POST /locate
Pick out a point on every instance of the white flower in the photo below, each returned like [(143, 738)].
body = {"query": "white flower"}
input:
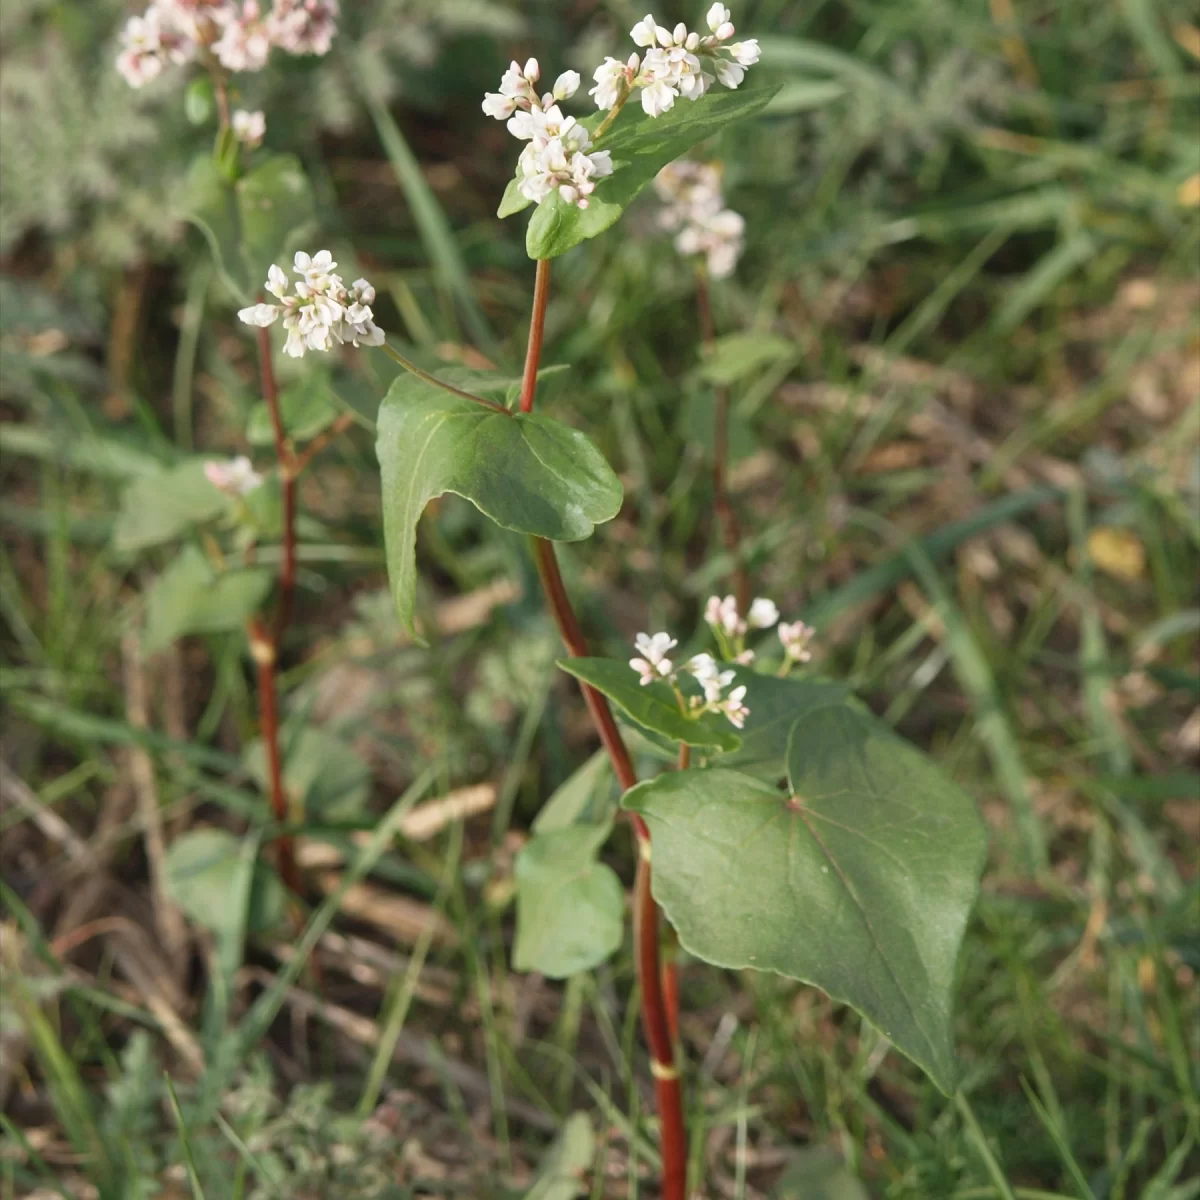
[(261, 315), (729, 73), (654, 664), (695, 208), (763, 613), (745, 658), (645, 32), (245, 41), (746, 53), (249, 127), (795, 638), (717, 16), (723, 615), (657, 97), (566, 85), (156, 39), (612, 78), (236, 476), (303, 26), (496, 104), (734, 708)]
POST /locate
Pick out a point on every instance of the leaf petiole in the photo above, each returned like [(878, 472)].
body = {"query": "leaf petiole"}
[(412, 368)]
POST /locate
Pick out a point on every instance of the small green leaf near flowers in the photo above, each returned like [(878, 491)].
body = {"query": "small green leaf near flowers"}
[(654, 706), (640, 147), (162, 507)]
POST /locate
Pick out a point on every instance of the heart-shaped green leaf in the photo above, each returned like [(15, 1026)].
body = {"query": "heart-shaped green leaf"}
[(570, 907), (654, 706), (190, 597), (860, 881), (260, 219), (640, 146), (161, 507), (775, 705), (526, 472)]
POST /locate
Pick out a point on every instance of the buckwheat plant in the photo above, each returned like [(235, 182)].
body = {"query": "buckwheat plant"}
[(778, 825)]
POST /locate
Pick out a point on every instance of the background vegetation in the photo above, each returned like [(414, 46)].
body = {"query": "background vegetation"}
[(965, 363)]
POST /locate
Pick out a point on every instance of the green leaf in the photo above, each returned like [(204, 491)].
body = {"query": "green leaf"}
[(570, 907), (162, 507), (306, 407), (190, 597), (561, 1172), (775, 705), (740, 354), (201, 870), (260, 219), (526, 472), (860, 881), (654, 706), (321, 773), (641, 146), (584, 798), (818, 1173), (512, 201)]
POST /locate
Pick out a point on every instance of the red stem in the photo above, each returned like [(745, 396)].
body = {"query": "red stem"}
[(287, 474), (655, 1019), (537, 330), (262, 649), (264, 643), (727, 520)]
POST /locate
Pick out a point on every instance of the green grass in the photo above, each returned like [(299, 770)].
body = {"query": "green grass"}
[(977, 253)]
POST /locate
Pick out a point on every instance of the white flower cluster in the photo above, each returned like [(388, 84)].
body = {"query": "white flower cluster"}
[(557, 157), (321, 310), (677, 62), (249, 128), (694, 209), (718, 696), (731, 628), (234, 477), (239, 36)]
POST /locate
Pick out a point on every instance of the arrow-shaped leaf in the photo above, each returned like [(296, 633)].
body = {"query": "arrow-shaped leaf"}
[(527, 472), (860, 881)]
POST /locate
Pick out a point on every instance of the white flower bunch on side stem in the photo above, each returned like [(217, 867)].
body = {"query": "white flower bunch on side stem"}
[(234, 477), (237, 33), (694, 209), (319, 310), (654, 666), (677, 62), (557, 158)]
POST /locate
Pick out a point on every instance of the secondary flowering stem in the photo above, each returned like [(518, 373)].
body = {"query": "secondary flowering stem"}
[(727, 520), (606, 124), (656, 1020)]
